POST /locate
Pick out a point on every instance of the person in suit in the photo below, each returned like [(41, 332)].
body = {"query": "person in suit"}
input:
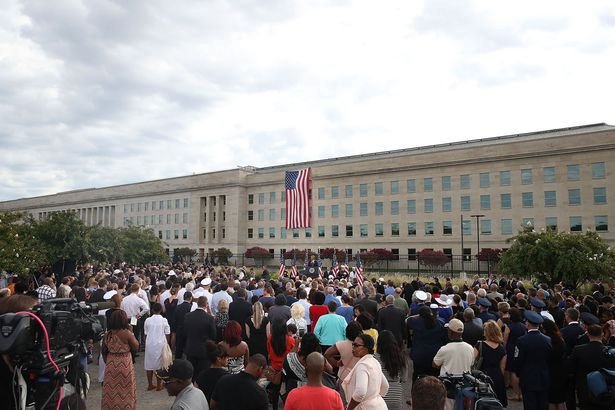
[(571, 333), (240, 310), (485, 315), (473, 327), (199, 327), (531, 364), (392, 319), (587, 358), (179, 337)]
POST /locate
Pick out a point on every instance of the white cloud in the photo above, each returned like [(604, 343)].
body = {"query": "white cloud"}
[(109, 92)]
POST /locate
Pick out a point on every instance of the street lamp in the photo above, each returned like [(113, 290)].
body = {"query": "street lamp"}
[(477, 240)]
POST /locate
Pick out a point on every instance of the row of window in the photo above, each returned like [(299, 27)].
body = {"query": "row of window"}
[(506, 227), (156, 219), (145, 206), (167, 234), (465, 202), (485, 180)]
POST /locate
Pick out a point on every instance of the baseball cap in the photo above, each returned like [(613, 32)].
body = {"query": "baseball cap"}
[(455, 325)]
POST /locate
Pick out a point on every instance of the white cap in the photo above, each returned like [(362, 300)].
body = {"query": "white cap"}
[(172, 273), (206, 282), (116, 271), (420, 295), (109, 294), (547, 315)]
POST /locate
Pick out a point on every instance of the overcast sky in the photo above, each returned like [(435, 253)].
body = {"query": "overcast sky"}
[(98, 93)]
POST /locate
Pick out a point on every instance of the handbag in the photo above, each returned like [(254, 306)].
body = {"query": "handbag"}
[(478, 362), (166, 356)]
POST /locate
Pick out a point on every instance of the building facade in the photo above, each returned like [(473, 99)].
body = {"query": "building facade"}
[(404, 200)]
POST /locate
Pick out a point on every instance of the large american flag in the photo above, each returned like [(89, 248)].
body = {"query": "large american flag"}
[(359, 270), (293, 267), (336, 267), (282, 264), (297, 185)]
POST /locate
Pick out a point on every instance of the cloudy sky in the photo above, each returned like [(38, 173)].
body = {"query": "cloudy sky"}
[(96, 93)]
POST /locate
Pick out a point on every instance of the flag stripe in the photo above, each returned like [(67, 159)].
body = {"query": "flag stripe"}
[(297, 185)]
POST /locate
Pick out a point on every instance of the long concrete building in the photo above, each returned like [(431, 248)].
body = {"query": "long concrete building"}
[(403, 200)]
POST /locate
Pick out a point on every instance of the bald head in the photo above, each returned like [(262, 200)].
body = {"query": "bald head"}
[(315, 365)]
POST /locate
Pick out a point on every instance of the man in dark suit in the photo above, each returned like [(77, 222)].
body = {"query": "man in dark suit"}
[(473, 328), (392, 319), (571, 333), (199, 327), (588, 358), (531, 364), (180, 332), (240, 310)]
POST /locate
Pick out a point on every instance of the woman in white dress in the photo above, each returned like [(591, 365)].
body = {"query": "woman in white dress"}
[(157, 331)]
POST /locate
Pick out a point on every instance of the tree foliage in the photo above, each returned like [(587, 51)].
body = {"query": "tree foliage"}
[(554, 257), (222, 255), (20, 249), (184, 254), (490, 254), (256, 252), (431, 258), (327, 253)]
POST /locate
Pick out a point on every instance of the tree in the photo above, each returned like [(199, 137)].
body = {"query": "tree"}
[(433, 259), (490, 254), (258, 253), (555, 257), (184, 253), (104, 244), (20, 249), (141, 246), (222, 255), (327, 253)]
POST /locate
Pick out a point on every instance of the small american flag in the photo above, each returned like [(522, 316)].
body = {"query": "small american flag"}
[(297, 186), (293, 267), (359, 270), (319, 265), (282, 264), (336, 267)]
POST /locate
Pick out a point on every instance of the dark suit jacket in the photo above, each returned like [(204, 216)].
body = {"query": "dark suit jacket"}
[(97, 296), (472, 332), (199, 327), (180, 314), (585, 359), (531, 361), (571, 334), (240, 311), (392, 319), (371, 307)]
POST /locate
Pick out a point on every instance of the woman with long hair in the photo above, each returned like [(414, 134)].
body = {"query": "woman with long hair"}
[(428, 335), (238, 350), (256, 330), (279, 344), (208, 378), (295, 362), (393, 364), (557, 367), (157, 332), (494, 358)]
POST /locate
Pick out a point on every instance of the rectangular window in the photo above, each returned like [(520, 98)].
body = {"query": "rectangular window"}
[(526, 176), (428, 228), (411, 254), (335, 231), (411, 228), (363, 230), (250, 199), (465, 203), (573, 172), (548, 174), (295, 233), (177, 204), (427, 184), (250, 233), (551, 223), (161, 205), (411, 186), (272, 198), (160, 219), (321, 193), (125, 208), (527, 199), (411, 206), (507, 227), (601, 223), (576, 224), (363, 190), (176, 234), (378, 188), (467, 227), (261, 198), (159, 234), (146, 206), (379, 208), (505, 201), (395, 229), (272, 214), (335, 192), (485, 202), (261, 215), (153, 205), (598, 170), (335, 211), (184, 234), (428, 205), (447, 228), (379, 229), (169, 204), (504, 178), (167, 234), (394, 207), (283, 196), (261, 233), (446, 183), (349, 231), (348, 191), (348, 210), (599, 196), (139, 220), (138, 206), (363, 209), (485, 226), (484, 179), (447, 204), (321, 211), (283, 233), (271, 233), (394, 187), (168, 219), (464, 181), (132, 207), (574, 197), (321, 231), (550, 198), (528, 223), (185, 202), (308, 232), (250, 215), (185, 218)]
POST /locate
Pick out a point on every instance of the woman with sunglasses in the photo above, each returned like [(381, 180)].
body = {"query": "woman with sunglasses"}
[(365, 384)]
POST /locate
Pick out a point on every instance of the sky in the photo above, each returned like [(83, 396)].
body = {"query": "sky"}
[(97, 93)]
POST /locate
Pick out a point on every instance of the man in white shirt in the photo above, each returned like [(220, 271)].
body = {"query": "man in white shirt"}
[(142, 293), (218, 296), (203, 291), (133, 305), (180, 295)]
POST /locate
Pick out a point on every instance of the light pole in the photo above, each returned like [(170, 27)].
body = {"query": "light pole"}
[(477, 240), (462, 255)]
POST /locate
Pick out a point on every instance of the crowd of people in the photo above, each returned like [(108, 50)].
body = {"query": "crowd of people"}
[(241, 340)]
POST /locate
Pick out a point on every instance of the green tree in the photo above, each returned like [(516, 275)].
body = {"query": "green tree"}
[(222, 255), (140, 246), (20, 248), (104, 244), (258, 253), (184, 254), (554, 257)]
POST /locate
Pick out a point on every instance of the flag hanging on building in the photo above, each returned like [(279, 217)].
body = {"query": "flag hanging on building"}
[(282, 264), (334, 265), (293, 267), (359, 270), (297, 186), (319, 265)]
